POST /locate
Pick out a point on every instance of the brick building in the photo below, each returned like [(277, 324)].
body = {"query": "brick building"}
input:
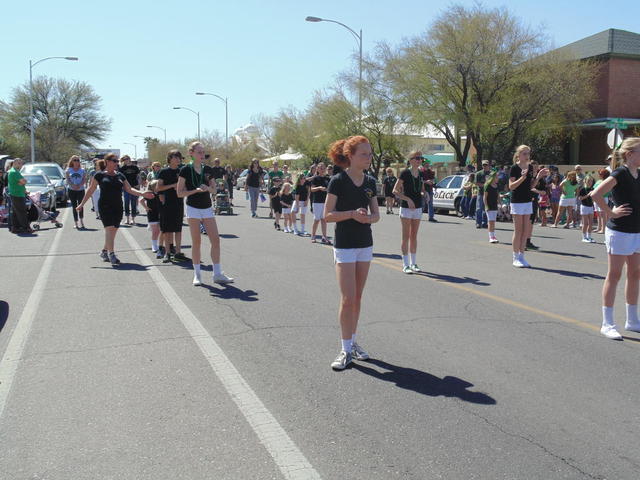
[(618, 89)]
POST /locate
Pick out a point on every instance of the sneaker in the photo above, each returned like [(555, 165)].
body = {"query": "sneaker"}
[(342, 360), (415, 268), (493, 240), (181, 257), (433, 220), (172, 249), (196, 281), (532, 246), (275, 225), (222, 279), (358, 353), (167, 258), (160, 253), (326, 241), (632, 327), (610, 332), (585, 240), (591, 240), (407, 269), (104, 256), (113, 259), (525, 264), (305, 233), (517, 263)]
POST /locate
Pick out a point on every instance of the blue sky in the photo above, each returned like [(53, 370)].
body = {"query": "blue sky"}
[(144, 57)]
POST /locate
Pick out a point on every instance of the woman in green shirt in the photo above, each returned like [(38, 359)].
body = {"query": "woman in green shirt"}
[(568, 199)]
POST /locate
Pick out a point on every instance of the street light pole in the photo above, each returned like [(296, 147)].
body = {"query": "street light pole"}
[(197, 114), (226, 114), (146, 145), (358, 38), (31, 112), (135, 149), (163, 129)]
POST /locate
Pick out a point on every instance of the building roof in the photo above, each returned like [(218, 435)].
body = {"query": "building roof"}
[(608, 42)]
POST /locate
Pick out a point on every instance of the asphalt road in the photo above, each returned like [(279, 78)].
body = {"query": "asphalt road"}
[(478, 370)]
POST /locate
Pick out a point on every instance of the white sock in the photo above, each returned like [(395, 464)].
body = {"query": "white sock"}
[(347, 345), (405, 260), (196, 269), (607, 316), (154, 244), (412, 256), (632, 314), (217, 269)]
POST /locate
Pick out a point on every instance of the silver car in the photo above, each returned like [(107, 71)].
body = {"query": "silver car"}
[(448, 193), (55, 174), (37, 182)]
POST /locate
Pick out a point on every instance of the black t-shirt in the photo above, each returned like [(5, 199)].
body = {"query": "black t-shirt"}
[(153, 204), (523, 193), (412, 188), (303, 192), (428, 174), (131, 173), (626, 191), (319, 181), (169, 176), (253, 178), (389, 182), (286, 198), (587, 202), (349, 233), (492, 198), (481, 177), (111, 187), (218, 172), (193, 180), (275, 197)]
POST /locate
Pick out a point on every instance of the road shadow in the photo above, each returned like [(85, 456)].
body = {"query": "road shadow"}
[(452, 279), (569, 273), (565, 254), (394, 256), (4, 313), (227, 235), (29, 235), (632, 339), (135, 267), (229, 292), (85, 229), (424, 383)]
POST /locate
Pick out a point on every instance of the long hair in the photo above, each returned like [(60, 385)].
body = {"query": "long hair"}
[(627, 146), (519, 150)]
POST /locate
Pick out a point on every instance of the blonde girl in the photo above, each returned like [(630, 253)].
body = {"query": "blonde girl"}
[(586, 208), (286, 200), (152, 207), (521, 181), (622, 236)]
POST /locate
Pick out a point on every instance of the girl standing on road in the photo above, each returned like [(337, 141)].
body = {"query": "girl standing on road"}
[(286, 200), (410, 189), (111, 183), (491, 204), (301, 197), (622, 236), (319, 184), (603, 173), (152, 206), (586, 208), (132, 174), (252, 185), (352, 204), (388, 183), (568, 188), (521, 180), (196, 183), (76, 179)]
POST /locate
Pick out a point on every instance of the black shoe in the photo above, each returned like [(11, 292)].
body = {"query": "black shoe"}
[(478, 226), (433, 220), (181, 257), (531, 246), (172, 249), (167, 258)]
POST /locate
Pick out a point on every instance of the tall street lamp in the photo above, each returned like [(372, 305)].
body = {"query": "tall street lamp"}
[(163, 129), (135, 149), (197, 114), (358, 38), (31, 113), (226, 114)]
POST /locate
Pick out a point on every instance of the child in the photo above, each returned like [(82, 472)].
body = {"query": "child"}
[(286, 200), (301, 197), (586, 208), (543, 205), (152, 206), (505, 206), (567, 199), (274, 195), (388, 184), (491, 204)]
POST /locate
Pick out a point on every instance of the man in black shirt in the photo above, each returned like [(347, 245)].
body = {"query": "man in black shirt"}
[(218, 171), (171, 209), (131, 173)]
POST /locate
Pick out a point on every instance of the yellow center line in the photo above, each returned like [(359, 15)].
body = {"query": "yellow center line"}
[(395, 266)]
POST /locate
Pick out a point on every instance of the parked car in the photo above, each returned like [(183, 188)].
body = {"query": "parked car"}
[(37, 182), (55, 174), (448, 193), (242, 180)]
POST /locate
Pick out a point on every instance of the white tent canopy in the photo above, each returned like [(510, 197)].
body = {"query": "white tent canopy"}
[(285, 157)]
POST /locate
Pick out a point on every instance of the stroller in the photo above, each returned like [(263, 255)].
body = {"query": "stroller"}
[(222, 203), (36, 213)]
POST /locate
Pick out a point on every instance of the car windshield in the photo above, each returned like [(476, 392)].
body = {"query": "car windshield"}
[(49, 171), (456, 182), (444, 182), (39, 180), (244, 173)]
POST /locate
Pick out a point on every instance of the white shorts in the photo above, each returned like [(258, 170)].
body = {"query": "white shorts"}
[(286, 211), (568, 202), (318, 211), (412, 213), (584, 210), (199, 213), (352, 255), (621, 243), (492, 215), (525, 208)]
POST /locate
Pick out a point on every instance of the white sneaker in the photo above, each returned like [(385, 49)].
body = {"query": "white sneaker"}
[(493, 240), (610, 332), (591, 240), (196, 281), (415, 268), (524, 263), (517, 263), (222, 278), (632, 327), (407, 269), (585, 240)]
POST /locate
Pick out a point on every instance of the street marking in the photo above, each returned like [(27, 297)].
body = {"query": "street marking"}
[(393, 265), (289, 459), (17, 342)]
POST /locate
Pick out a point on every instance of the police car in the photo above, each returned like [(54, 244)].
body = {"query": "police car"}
[(448, 193)]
